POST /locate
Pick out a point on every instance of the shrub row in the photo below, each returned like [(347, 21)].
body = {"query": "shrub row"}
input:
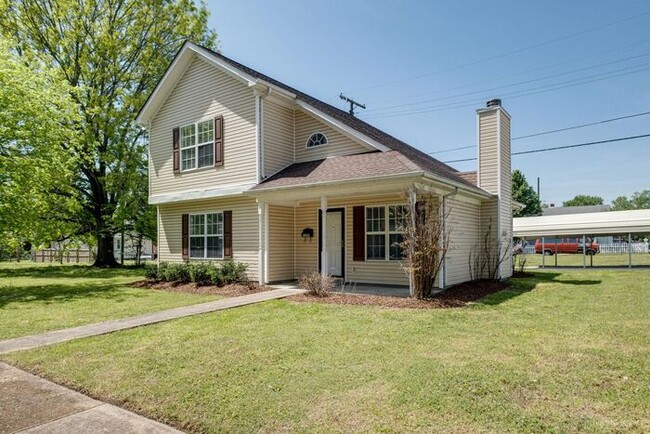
[(204, 273)]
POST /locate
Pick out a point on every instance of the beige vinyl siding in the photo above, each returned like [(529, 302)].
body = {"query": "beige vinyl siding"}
[(381, 272), (306, 250), (488, 219), (202, 93), (281, 243), (338, 144), (506, 193), (245, 238), (464, 226), (277, 127), (488, 151)]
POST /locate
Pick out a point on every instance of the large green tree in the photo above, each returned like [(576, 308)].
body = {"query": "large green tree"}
[(583, 200), (639, 200), (37, 126), (523, 193), (112, 53)]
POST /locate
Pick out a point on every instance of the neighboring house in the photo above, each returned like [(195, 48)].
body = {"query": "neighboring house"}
[(243, 167), (131, 241)]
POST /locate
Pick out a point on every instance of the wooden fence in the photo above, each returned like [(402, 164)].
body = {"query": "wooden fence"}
[(66, 256)]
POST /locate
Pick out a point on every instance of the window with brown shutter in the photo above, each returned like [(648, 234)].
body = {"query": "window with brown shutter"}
[(176, 152), (185, 234), (358, 233), (227, 234), (218, 141)]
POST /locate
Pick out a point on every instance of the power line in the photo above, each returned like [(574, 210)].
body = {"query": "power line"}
[(519, 83), (557, 148), (573, 127), (526, 71), (506, 54), (520, 93)]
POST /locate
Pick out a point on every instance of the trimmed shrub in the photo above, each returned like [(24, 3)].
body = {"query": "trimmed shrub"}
[(202, 273), (151, 271), (233, 272), (316, 284)]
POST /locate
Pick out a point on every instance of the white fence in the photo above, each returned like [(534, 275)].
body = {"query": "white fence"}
[(621, 248)]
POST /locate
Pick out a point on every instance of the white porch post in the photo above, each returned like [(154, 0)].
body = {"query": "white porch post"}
[(267, 236), (324, 265), (261, 268), (413, 200), (543, 253)]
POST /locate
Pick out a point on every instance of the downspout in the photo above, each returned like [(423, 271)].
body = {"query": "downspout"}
[(443, 209)]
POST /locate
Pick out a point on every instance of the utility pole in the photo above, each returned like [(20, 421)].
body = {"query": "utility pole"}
[(538, 196), (352, 102)]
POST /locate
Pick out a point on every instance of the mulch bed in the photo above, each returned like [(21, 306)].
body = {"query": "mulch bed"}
[(232, 290), (455, 296)]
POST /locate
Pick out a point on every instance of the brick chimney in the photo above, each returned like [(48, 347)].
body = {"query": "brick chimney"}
[(495, 175)]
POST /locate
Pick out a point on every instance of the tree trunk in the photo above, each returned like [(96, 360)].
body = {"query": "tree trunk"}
[(105, 257)]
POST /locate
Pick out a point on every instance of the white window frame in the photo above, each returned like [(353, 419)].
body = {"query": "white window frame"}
[(196, 145), (386, 232), (327, 140), (205, 235)]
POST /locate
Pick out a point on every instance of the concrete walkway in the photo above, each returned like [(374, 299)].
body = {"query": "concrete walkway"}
[(29, 404), (57, 336)]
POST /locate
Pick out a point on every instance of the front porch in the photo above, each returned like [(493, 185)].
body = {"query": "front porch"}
[(346, 231)]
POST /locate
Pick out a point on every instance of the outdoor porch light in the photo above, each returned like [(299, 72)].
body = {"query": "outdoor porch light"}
[(307, 233)]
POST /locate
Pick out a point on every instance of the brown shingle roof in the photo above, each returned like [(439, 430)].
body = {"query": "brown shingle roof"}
[(470, 177), (341, 168), (424, 161)]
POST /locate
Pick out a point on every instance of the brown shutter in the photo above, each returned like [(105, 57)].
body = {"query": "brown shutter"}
[(218, 141), (359, 233), (185, 233), (176, 153), (227, 234)]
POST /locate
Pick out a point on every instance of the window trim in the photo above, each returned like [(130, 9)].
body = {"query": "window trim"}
[(386, 232), (195, 146), (327, 140), (205, 236)]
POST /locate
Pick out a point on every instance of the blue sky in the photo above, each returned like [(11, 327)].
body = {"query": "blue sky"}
[(444, 59)]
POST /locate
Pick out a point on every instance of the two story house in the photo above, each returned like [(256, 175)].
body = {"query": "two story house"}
[(244, 167)]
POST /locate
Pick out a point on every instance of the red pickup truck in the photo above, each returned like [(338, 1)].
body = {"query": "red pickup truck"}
[(565, 245)]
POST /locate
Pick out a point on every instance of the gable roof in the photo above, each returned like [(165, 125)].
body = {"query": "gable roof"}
[(423, 161)]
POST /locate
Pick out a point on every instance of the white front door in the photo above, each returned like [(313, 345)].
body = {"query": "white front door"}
[(334, 242)]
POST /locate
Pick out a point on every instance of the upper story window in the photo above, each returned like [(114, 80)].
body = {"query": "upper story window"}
[(197, 145), (316, 139)]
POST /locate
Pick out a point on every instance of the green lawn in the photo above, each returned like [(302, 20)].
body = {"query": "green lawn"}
[(35, 298), (565, 352), (599, 260)]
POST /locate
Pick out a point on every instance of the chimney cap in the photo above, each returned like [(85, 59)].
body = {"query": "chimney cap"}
[(496, 102)]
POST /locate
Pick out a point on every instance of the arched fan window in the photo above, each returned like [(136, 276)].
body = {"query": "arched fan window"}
[(316, 139)]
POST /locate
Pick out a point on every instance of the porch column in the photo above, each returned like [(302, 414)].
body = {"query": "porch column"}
[(267, 236), (261, 267), (324, 265), (413, 201)]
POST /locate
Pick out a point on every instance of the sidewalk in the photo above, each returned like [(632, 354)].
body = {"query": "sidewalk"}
[(54, 337), (29, 404)]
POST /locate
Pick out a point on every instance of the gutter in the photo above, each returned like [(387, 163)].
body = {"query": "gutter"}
[(474, 190)]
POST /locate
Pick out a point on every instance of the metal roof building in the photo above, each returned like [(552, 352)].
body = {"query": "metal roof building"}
[(612, 222)]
